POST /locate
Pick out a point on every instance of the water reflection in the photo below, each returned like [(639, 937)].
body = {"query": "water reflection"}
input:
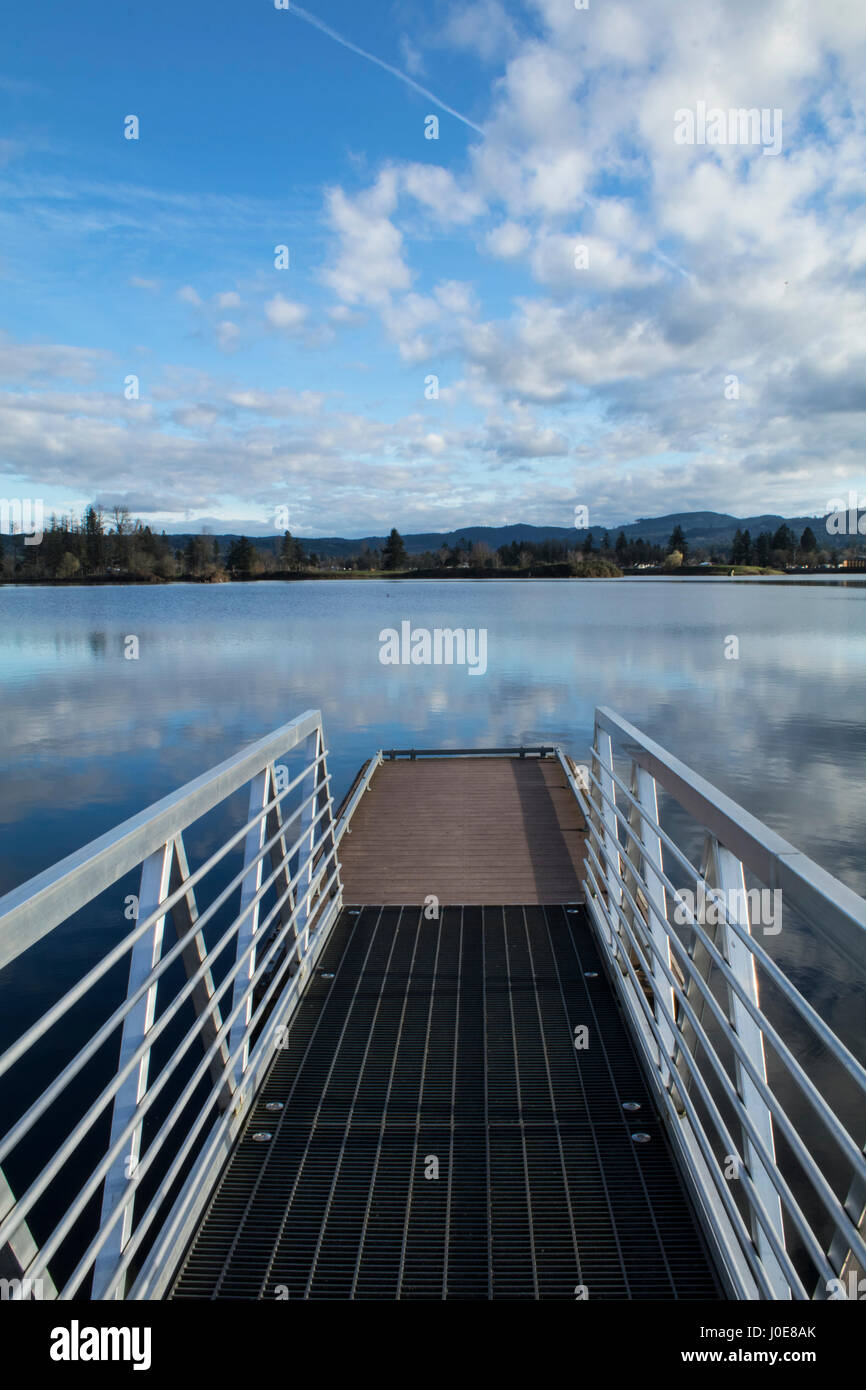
[(89, 732)]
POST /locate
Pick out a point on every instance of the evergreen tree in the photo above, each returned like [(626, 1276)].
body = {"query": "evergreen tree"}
[(808, 543), (394, 554), (587, 545), (678, 542), (784, 539), (94, 535), (241, 554), (289, 552)]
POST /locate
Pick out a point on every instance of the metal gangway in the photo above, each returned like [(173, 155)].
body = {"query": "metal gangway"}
[(560, 981)]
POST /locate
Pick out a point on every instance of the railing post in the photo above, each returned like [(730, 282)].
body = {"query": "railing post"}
[(256, 839), (728, 877), (602, 754), (121, 1177), (642, 821), (840, 1254), (280, 867), (19, 1252), (314, 750), (185, 915)]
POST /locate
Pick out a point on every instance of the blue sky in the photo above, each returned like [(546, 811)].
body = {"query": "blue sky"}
[(605, 385)]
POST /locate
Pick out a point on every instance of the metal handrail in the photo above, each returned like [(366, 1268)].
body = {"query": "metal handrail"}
[(28, 1198), (267, 962), (629, 895), (791, 993), (34, 909), (834, 1207)]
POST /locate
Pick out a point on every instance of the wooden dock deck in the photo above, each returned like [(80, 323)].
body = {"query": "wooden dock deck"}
[(444, 1045), (467, 830)]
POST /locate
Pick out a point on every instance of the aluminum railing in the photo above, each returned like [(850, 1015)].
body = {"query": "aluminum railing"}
[(777, 1177), (213, 1004)]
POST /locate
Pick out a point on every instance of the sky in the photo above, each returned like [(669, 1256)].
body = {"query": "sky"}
[(554, 304)]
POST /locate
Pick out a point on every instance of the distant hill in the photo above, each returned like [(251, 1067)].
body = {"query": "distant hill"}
[(700, 529)]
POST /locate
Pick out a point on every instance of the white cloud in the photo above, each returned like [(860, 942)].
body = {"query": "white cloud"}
[(442, 194), (187, 295), (412, 60), (508, 240), (370, 265), (227, 334), (484, 27), (285, 314)]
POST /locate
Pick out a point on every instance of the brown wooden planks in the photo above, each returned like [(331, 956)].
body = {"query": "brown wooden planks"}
[(466, 830)]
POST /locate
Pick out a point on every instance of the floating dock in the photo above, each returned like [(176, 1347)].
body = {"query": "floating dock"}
[(450, 1042)]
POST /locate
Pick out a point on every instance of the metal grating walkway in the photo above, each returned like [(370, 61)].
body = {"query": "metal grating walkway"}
[(450, 1044)]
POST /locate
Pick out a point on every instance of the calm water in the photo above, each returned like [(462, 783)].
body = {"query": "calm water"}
[(91, 737)]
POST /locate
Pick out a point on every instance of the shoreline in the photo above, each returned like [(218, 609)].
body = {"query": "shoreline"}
[(822, 577)]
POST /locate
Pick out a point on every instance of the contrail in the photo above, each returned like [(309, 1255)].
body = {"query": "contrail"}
[(431, 96), (371, 58)]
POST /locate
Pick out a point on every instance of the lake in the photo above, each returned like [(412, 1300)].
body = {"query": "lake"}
[(759, 686), (91, 737)]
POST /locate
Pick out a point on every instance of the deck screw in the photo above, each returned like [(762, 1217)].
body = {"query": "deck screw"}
[(641, 1138), (631, 1105), (262, 1136), (327, 974), (274, 1105), (590, 974)]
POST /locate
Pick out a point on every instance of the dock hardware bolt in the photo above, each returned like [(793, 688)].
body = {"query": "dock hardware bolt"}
[(631, 1105), (262, 1136), (641, 1138), (274, 1105)]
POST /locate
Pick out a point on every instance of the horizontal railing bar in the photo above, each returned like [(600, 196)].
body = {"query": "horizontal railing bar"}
[(785, 986), (758, 847), (363, 783), (747, 1246), (766, 1159), (168, 1123), (811, 1171), (75, 1208), (807, 1088), (212, 1142), (34, 909), (542, 750), (72, 996), (150, 1211), (50, 1170)]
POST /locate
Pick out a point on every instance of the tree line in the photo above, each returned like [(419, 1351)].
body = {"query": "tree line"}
[(102, 545)]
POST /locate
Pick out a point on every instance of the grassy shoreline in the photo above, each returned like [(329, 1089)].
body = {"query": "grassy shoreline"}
[(536, 572)]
